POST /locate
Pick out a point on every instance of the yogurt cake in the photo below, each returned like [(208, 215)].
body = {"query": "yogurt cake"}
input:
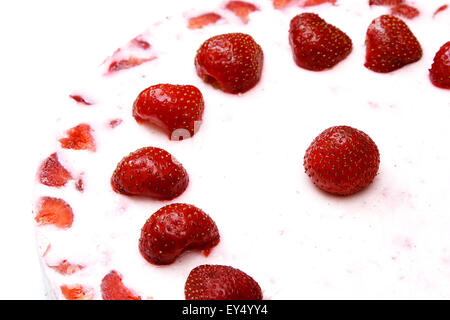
[(244, 163)]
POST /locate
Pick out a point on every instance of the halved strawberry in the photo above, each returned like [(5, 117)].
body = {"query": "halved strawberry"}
[(176, 228), (242, 9), (150, 172), (113, 288), (440, 69), (232, 62), (54, 211), (384, 2), (405, 10), (390, 45), (177, 109), (342, 160), (52, 173), (216, 282), (66, 268), (202, 20), (79, 138), (77, 292), (317, 45)]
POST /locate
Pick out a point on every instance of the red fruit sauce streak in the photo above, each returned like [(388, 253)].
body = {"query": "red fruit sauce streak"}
[(124, 64), (241, 9), (440, 9), (81, 100), (140, 43), (405, 10)]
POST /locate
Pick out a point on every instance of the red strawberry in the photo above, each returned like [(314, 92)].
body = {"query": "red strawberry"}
[(280, 4), (76, 292), (342, 160), (390, 45), (317, 45), (405, 10), (54, 211), (203, 20), (150, 172), (52, 173), (214, 282), (384, 2), (80, 99), (440, 69), (113, 288), (242, 9), (67, 268), (309, 3), (176, 109), (79, 138), (174, 229), (231, 62)]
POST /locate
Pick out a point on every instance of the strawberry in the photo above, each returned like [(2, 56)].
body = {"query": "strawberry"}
[(231, 62), (310, 3), (215, 282), (405, 10), (54, 211), (177, 109), (440, 69), (440, 9), (67, 268), (76, 292), (52, 173), (80, 99), (203, 20), (79, 138), (242, 9), (113, 288), (384, 2), (342, 160), (174, 229), (150, 172), (390, 45), (317, 45)]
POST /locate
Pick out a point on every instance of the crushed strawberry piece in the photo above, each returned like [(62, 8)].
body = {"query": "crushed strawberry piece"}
[(80, 99), (440, 9), (52, 173), (405, 10), (203, 20), (124, 64), (67, 268), (140, 43), (79, 138), (385, 2), (79, 185), (310, 3), (242, 9), (113, 288), (280, 4), (54, 211), (76, 292), (114, 123)]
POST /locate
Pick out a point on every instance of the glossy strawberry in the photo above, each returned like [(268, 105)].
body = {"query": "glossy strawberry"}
[(317, 45), (113, 288), (232, 62), (440, 9), (384, 2), (440, 69), (215, 282), (150, 172), (54, 211), (242, 9), (405, 10), (342, 160), (79, 138), (52, 173), (390, 45), (177, 109), (174, 229), (202, 20), (76, 292)]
